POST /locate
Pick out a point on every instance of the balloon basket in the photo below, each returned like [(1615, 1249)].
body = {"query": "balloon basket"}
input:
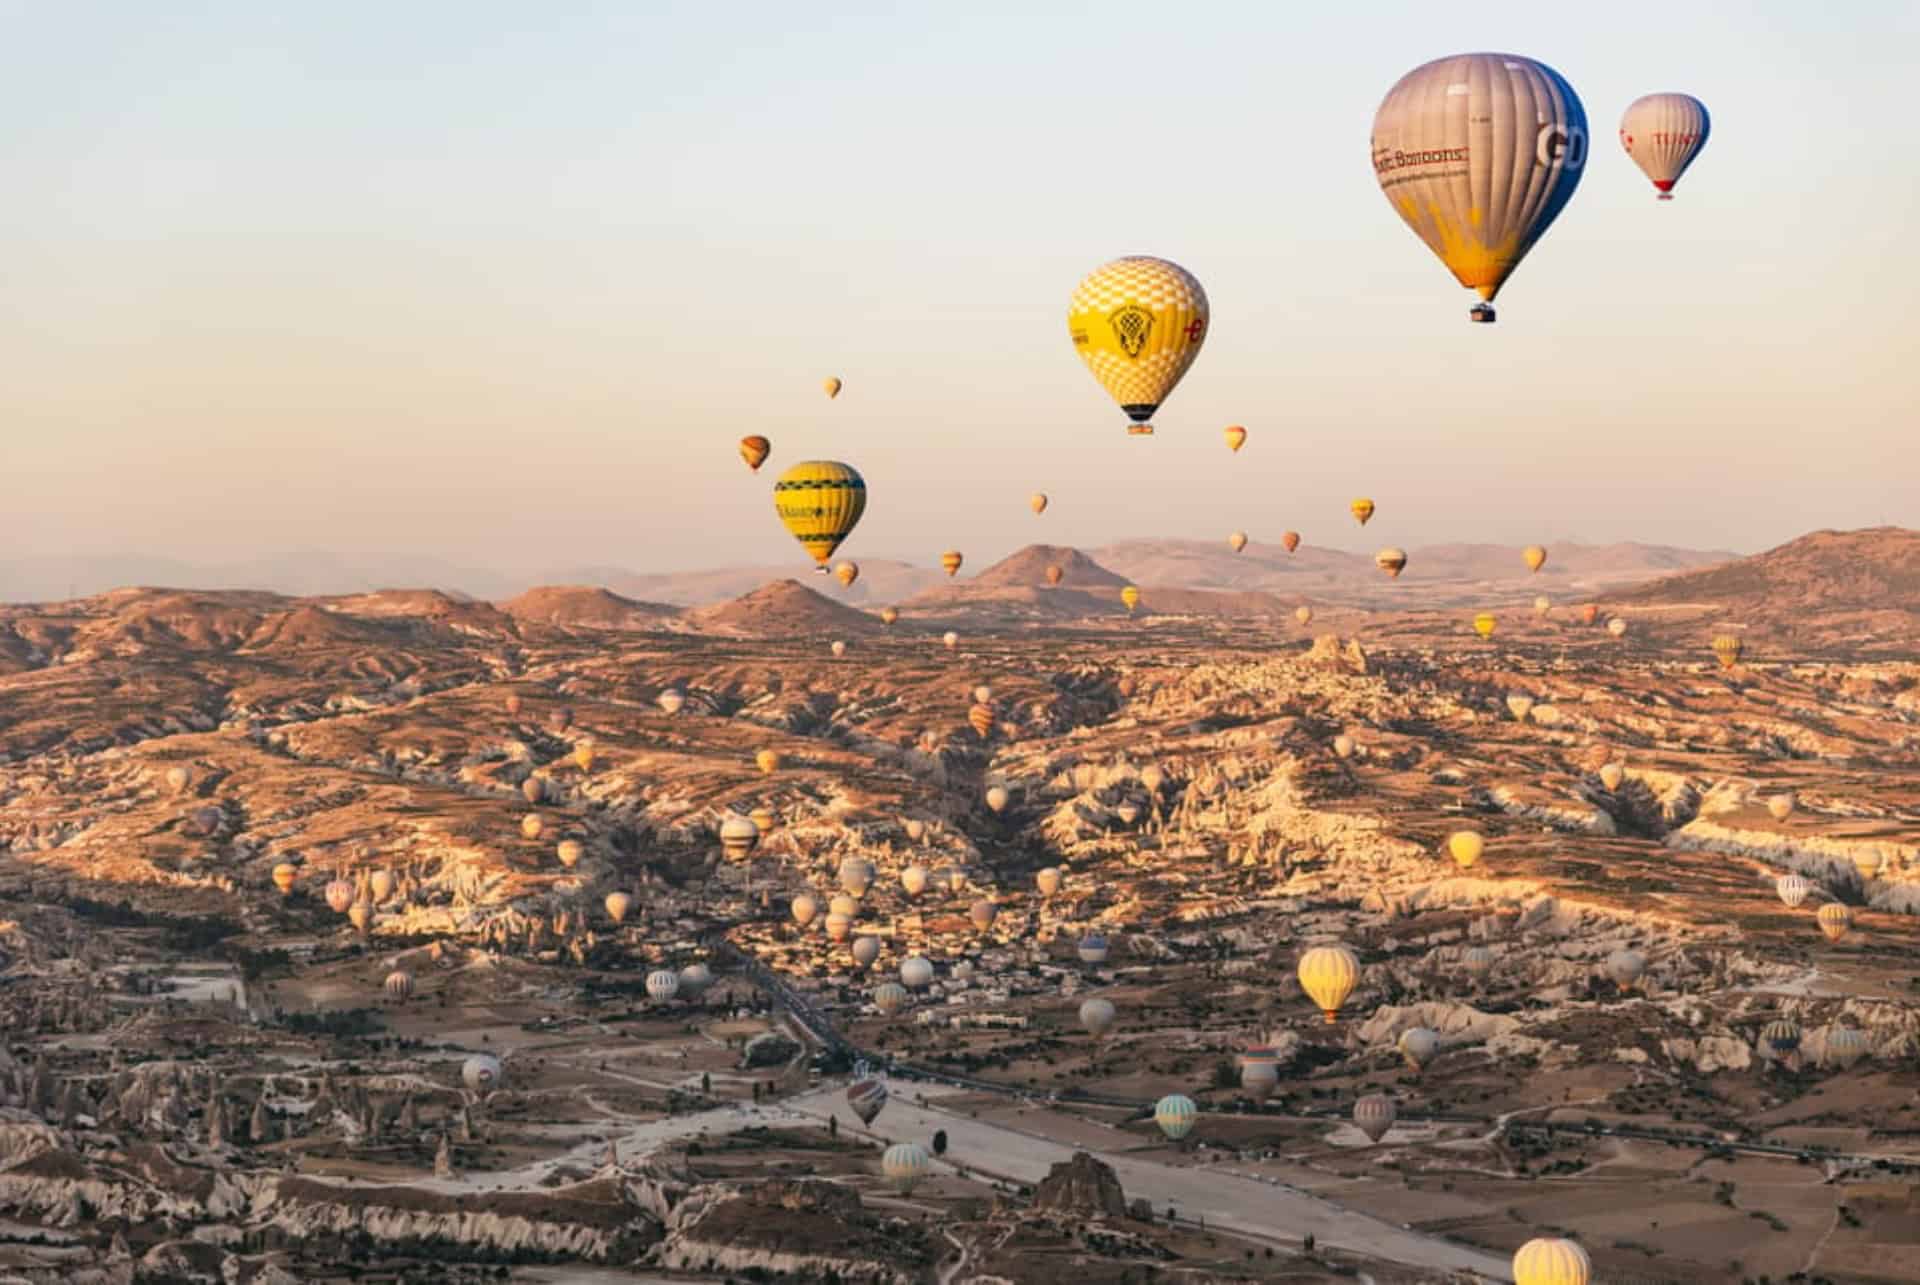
[(1139, 430)]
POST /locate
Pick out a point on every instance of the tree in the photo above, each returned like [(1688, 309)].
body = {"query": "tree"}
[(940, 1142), (833, 1126), (706, 1083)]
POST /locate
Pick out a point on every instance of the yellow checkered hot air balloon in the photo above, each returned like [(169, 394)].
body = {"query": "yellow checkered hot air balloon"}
[(1727, 649), (1138, 323), (820, 502)]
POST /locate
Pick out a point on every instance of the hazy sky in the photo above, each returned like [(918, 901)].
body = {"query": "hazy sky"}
[(506, 282)]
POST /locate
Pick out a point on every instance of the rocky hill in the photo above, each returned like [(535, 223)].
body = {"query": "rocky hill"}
[(784, 608), (587, 607), (1028, 568)]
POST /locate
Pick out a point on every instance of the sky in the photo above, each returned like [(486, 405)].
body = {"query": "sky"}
[(505, 283)]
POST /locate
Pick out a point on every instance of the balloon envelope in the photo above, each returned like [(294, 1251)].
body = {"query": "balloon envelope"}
[(1138, 323), (754, 450), (1663, 133), (820, 502), (1478, 154)]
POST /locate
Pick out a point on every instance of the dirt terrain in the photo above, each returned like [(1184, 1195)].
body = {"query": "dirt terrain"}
[(519, 1008)]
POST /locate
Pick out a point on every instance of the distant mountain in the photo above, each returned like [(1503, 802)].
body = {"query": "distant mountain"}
[(785, 608), (1436, 575), (1028, 568), (584, 606), (55, 579), (1876, 569), (882, 580)]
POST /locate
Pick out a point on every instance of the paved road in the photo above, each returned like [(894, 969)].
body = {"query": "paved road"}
[(1231, 1203)]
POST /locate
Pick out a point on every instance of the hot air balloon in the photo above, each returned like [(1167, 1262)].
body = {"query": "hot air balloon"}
[(1611, 774), (381, 883), (284, 875), (1484, 624), (1466, 847), (1131, 597), (1092, 949), (804, 908), (846, 572), (1793, 889), (481, 1073), (842, 904), (1625, 968), (1590, 613), (831, 386), (1781, 806), (889, 998), (532, 790), (905, 1164), (916, 973), (888, 615), (1835, 920), (1303, 614), (1343, 746), (866, 950), (1846, 1045), (694, 980), (950, 561), (1617, 627), (952, 878), (866, 1097), (856, 875), (768, 761), (1362, 510), (1780, 1037), (670, 700), (514, 704), (820, 502), (531, 825), (754, 450), (1479, 153), (1054, 574), (981, 718), (339, 895), (1663, 133), (1477, 960), (1867, 863), (1551, 1262), (1138, 323), (1519, 706), (950, 640), (997, 797), (398, 985), (1037, 502), (982, 693), (1259, 1073), (1175, 1114), (1542, 605), (1391, 560), (1727, 649), (178, 778), (1328, 975), (1290, 540), (1152, 777), (1374, 1114), (1047, 880), (1534, 556), (617, 905), (570, 851), (763, 819), (360, 915), (1237, 541), (982, 914), (914, 880), (738, 837), (662, 985), (838, 648), (1419, 1046), (839, 926), (1097, 1017), (583, 756), (1236, 436)]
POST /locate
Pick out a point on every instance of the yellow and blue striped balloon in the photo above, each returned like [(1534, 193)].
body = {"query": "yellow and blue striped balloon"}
[(1175, 1115), (820, 502)]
